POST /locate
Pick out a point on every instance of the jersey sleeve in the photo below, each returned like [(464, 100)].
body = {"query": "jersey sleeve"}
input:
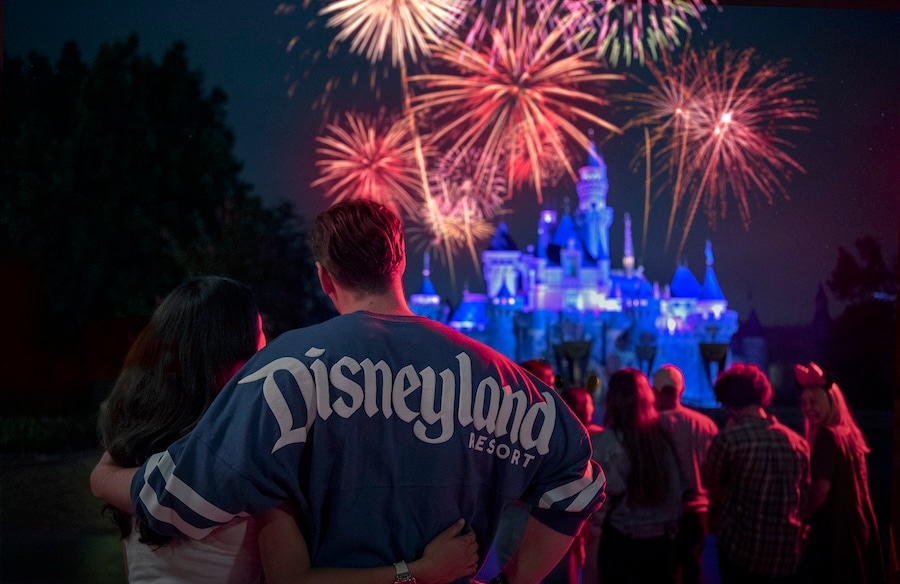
[(240, 459), (570, 485)]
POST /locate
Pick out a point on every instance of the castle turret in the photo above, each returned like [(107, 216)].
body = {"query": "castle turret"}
[(597, 217), (546, 227), (426, 302), (501, 314), (751, 341), (711, 300), (501, 262)]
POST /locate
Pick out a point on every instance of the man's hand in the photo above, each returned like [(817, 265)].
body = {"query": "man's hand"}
[(112, 483)]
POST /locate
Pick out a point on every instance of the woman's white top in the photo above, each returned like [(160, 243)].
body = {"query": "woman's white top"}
[(228, 555)]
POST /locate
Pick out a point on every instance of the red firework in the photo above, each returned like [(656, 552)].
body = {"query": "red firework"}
[(370, 157), (718, 121), (516, 99)]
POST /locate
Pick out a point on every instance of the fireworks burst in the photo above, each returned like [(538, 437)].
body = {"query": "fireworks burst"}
[(451, 220), (719, 120), (408, 26), (516, 100), (552, 167), (460, 210), (493, 15), (370, 157), (317, 50), (635, 30), (456, 168)]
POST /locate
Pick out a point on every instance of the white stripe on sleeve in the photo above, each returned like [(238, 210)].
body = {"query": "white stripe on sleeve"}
[(569, 489), (183, 492), (588, 494)]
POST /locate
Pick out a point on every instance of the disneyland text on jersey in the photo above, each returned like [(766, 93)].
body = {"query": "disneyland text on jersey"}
[(503, 423)]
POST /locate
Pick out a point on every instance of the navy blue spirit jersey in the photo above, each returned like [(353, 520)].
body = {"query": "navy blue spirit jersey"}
[(383, 430)]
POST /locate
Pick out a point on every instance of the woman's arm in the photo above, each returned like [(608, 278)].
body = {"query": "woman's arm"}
[(818, 492), (112, 483), (285, 557), (822, 467)]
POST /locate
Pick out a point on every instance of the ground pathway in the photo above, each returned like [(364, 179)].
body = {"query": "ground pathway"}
[(51, 528)]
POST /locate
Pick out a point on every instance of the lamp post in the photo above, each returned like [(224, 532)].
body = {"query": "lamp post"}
[(713, 353), (572, 360), (645, 351)]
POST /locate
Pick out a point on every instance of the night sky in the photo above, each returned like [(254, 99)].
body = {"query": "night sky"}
[(851, 153)]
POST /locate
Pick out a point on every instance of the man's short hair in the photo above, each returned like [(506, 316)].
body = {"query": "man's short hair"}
[(743, 385), (361, 244)]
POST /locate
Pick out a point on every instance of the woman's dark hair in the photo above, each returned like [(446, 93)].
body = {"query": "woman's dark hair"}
[(178, 363), (632, 415)]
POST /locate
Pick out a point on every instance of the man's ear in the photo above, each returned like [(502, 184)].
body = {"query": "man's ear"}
[(325, 279)]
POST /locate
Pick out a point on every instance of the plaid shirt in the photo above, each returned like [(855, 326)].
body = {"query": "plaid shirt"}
[(757, 471)]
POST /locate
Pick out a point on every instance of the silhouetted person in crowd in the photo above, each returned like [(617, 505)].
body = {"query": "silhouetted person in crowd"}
[(584, 549), (691, 433), (383, 427), (843, 543), (644, 488), (594, 386), (757, 473)]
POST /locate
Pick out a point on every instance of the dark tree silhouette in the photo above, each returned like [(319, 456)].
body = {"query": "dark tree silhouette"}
[(119, 180), (855, 281), (861, 347)]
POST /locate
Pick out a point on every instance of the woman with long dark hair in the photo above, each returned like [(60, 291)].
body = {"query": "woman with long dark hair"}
[(197, 339), (842, 544), (643, 486)]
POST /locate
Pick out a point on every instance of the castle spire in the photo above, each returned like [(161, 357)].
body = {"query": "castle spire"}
[(711, 289), (628, 256), (593, 155), (427, 286), (426, 302), (596, 217)]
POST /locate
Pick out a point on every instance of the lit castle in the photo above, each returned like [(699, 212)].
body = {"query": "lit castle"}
[(563, 302)]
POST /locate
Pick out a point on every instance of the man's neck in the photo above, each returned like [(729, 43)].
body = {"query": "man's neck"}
[(391, 302), (667, 405), (752, 411)]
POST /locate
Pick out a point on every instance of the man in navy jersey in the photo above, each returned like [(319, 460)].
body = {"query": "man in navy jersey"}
[(383, 427)]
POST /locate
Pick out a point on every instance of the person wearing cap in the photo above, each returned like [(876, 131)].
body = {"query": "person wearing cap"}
[(691, 433)]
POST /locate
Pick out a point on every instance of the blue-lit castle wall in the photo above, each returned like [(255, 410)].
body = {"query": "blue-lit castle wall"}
[(560, 300)]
